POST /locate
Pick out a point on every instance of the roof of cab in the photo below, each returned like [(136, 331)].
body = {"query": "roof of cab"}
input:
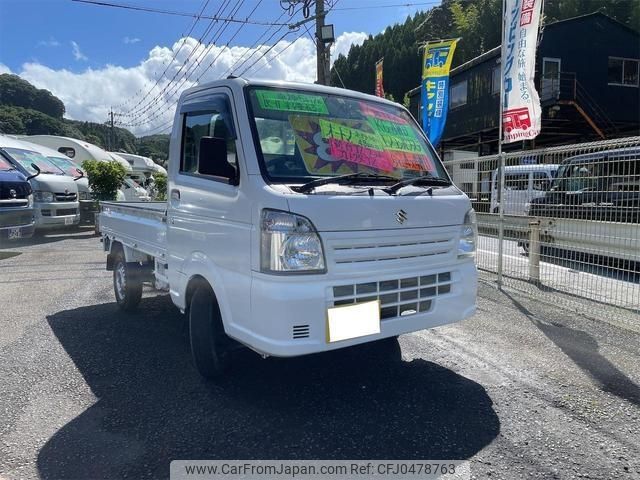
[(239, 82)]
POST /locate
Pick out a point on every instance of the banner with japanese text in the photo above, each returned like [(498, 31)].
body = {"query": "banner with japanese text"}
[(436, 64), (521, 112), (379, 86)]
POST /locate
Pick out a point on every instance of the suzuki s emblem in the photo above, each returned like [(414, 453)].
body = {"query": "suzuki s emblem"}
[(66, 191), (401, 216), (13, 193)]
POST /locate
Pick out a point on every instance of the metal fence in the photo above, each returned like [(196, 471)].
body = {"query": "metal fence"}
[(560, 223)]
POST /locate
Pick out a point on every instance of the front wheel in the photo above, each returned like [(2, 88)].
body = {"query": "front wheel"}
[(126, 285), (210, 346)]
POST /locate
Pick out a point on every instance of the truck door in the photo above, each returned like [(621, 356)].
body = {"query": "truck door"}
[(209, 218)]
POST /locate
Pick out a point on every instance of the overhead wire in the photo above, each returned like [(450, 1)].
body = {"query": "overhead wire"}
[(135, 113)]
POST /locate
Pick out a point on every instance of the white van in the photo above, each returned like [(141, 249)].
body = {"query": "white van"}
[(55, 194), (522, 183), (68, 166)]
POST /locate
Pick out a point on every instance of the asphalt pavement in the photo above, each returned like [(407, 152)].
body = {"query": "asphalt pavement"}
[(522, 389)]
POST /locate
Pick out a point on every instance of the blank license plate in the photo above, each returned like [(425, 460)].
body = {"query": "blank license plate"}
[(352, 321), (68, 221)]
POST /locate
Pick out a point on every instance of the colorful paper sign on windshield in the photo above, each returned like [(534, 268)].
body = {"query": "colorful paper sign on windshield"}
[(291, 102), (330, 145), (369, 110)]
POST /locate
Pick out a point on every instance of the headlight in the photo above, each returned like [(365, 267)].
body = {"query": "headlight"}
[(84, 195), (289, 244), (468, 235), (39, 196), (30, 199)]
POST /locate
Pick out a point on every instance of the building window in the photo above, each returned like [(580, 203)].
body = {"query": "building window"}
[(458, 94), (495, 80), (623, 71)]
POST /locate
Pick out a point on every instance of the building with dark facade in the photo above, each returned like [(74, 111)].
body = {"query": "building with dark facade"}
[(587, 76)]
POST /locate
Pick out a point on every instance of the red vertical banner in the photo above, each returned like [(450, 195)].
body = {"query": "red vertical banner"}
[(379, 87)]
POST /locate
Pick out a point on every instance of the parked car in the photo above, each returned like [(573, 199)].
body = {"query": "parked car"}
[(16, 203), (595, 186), (593, 206), (522, 184), (55, 194), (355, 234)]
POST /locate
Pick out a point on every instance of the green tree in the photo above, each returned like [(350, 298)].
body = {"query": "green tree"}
[(104, 178), (14, 91)]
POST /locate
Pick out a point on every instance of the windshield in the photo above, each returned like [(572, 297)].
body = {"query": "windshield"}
[(304, 136), (66, 165), (26, 157)]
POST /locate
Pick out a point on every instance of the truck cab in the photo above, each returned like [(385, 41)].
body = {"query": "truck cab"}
[(55, 194), (16, 203), (300, 219)]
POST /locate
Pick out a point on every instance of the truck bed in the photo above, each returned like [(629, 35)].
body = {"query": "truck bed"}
[(139, 225)]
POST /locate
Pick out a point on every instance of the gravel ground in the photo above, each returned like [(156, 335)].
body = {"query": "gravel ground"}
[(522, 390)]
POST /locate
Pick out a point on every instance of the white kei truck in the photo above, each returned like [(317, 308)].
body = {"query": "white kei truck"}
[(300, 219)]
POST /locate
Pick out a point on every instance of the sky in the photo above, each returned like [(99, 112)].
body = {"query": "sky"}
[(95, 58)]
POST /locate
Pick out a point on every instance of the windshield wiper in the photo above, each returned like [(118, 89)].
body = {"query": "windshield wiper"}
[(341, 180), (427, 179)]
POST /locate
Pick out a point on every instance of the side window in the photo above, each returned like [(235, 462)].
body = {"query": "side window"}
[(216, 123), (68, 151), (518, 181)]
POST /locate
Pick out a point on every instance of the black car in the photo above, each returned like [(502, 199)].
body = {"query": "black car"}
[(16, 204)]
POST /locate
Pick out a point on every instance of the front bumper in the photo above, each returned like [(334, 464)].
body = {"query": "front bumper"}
[(289, 317), (22, 231), (57, 214)]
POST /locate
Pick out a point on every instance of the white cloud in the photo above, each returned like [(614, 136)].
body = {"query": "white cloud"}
[(4, 69), (345, 41), (52, 42), (88, 95), (77, 54), (130, 40)]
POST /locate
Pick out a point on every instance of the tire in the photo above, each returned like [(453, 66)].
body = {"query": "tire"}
[(210, 346), (126, 285)]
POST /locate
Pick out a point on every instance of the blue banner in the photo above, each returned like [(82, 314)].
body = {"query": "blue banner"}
[(435, 87)]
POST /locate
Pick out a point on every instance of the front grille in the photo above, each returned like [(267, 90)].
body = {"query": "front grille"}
[(66, 211), (349, 252), (66, 197), (9, 189), (45, 213), (300, 331), (398, 298)]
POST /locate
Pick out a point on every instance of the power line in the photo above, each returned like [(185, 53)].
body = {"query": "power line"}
[(136, 112), (174, 56), (175, 13)]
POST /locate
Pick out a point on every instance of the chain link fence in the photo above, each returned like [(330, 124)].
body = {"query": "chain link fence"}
[(560, 223)]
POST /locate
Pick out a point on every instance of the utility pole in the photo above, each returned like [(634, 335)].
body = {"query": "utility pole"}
[(322, 49), (324, 36)]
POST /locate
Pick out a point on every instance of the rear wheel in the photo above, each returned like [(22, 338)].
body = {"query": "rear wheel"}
[(210, 346), (126, 285)]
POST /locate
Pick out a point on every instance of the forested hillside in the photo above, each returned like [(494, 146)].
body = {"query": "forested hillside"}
[(27, 110), (476, 22)]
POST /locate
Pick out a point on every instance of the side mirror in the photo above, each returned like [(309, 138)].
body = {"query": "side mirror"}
[(37, 169), (212, 159), (81, 174)]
